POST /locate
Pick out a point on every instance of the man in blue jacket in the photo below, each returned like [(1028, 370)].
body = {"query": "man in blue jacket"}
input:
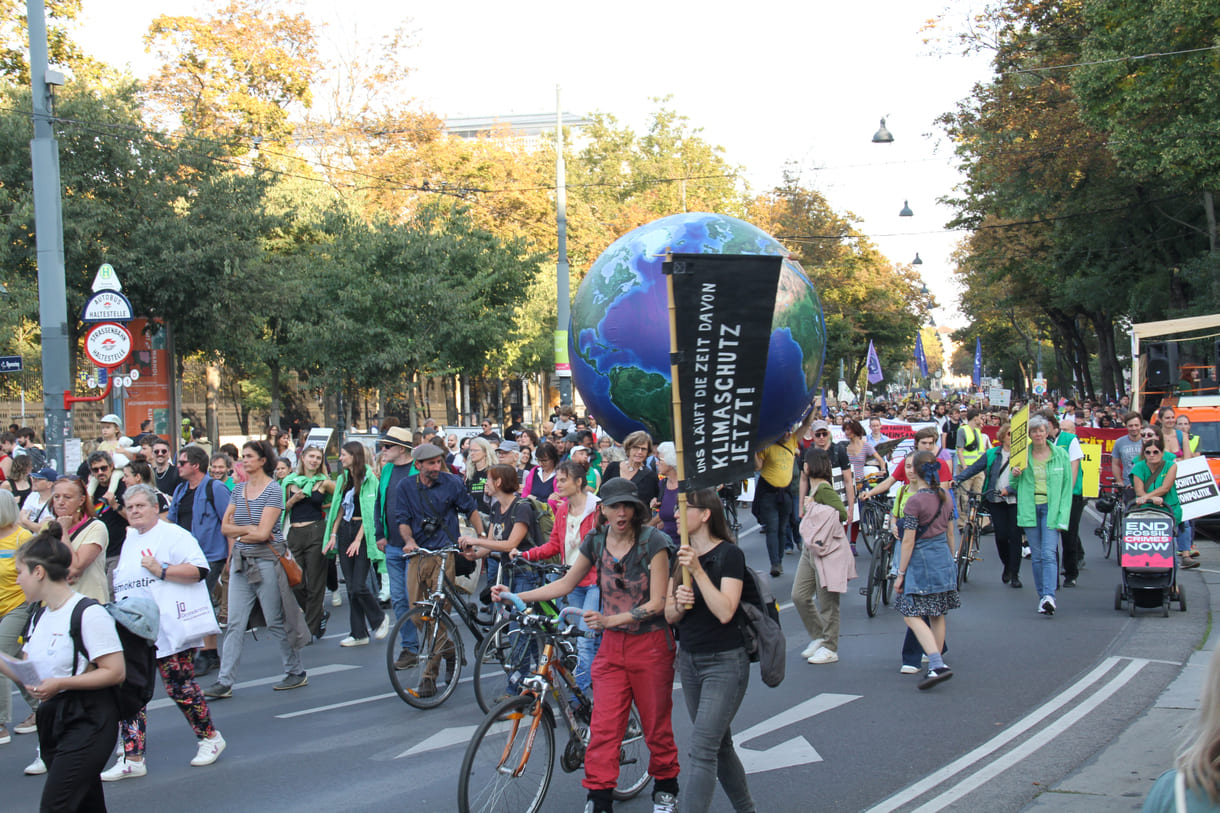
[(198, 506)]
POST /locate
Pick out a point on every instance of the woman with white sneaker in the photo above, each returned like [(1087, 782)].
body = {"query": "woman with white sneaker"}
[(158, 553), (350, 532), (825, 551), (1044, 506)]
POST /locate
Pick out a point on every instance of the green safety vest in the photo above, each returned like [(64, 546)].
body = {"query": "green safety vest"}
[(968, 457)]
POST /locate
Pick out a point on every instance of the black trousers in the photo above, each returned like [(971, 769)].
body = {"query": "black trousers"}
[(1007, 536), (1071, 540), (363, 607), (76, 732)]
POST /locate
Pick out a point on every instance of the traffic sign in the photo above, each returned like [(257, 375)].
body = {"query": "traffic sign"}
[(108, 344), (107, 306), (106, 279), (10, 364)]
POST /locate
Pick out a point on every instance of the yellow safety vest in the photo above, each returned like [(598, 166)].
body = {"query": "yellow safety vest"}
[(968, 457)]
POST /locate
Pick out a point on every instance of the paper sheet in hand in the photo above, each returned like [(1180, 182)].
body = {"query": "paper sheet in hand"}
[(24, 670)]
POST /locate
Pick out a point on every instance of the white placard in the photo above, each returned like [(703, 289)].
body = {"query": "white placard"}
[(72, 455), (999, 397), (1196, 487)]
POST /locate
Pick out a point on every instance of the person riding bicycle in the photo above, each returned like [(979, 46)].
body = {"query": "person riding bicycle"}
[(427, 516), (1000, 497), (636, 661)]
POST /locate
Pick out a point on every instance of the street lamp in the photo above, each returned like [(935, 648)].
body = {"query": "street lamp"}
[(918, 261), (906, 210), (883, 135)]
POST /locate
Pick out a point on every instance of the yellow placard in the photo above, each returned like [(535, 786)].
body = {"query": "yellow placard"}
[(1018, 438), (1090, 467)]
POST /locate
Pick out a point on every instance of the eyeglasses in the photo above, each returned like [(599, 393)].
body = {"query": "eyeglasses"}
[(99, 469), (1151, 452), (160, 451), (821, 434), (183, 462), (1147, 435)]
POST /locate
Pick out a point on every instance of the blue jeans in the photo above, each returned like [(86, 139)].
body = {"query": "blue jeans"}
[(396, 569), (912, 651), (586, 598), (1044, 553), (1185, 536), (713, 684)]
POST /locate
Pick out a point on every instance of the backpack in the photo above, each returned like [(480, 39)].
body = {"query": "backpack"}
[(758, 620), (544, 519), (135, 618)]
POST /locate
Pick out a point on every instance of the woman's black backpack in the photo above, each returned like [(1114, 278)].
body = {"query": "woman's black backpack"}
[(139, 653)]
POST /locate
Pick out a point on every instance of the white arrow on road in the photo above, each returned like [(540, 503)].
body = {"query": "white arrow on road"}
[(796, 751), (447, 738)]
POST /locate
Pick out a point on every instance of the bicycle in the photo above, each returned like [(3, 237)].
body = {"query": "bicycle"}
[(511, 757), (1110, 504), (968, 548), (506, 646), (422, 683), (880, 585), (873, 512), (729, 495)]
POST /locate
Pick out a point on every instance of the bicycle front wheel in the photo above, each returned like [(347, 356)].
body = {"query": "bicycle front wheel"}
[(432, 675), (633, 774), (876, 578), (1109, 531), (505, 656), (506, 768), (887, 581)]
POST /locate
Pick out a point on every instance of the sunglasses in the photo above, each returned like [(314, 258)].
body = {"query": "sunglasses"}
[(160, 451), (1148, 452), (821, 434), (1147, 436), (99, 469)]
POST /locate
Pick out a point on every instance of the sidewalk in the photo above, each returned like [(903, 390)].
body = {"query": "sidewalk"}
[(1121, 774)]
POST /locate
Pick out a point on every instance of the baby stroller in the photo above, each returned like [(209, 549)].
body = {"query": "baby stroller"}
[(1148, 563)]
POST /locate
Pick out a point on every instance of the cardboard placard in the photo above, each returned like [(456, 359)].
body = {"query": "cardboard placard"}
[(1196, 487)]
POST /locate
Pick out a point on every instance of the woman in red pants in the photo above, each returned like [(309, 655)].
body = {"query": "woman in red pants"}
[(635, 663)]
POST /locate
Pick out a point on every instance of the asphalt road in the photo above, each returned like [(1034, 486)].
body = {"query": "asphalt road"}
[(1032, 698)]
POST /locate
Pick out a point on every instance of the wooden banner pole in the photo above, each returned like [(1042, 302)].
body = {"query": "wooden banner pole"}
[(677, 417)]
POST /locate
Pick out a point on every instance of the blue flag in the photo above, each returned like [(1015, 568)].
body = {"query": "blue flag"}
[(874, 364), (920, 358), (977, 375), (825, 408)]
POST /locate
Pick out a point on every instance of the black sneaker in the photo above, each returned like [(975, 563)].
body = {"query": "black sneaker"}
[(777, 571), (936, 676), (1069, 582)]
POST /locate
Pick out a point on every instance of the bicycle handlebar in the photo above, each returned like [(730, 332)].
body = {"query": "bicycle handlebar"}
[(514, 600), (574, 611)]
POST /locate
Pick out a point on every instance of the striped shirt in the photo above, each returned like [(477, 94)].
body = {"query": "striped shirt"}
[(250, 512)]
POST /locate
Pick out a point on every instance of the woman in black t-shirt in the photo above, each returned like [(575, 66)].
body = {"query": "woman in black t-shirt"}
[(712, 658)]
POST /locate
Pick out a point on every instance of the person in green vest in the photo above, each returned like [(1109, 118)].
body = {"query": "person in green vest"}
[(1073, 552), (970, 445), (350, 533), (396, 466)]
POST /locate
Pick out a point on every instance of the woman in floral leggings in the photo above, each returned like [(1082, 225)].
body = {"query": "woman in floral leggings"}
[(158, 555)]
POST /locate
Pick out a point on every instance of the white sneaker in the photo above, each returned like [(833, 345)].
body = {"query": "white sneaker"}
[(824, 655), (350, 641), (664, 802), (909, 670), (209, 751), (124, 770), (813, 647), (37, 767), (1046, 605), (336, 600), (384, 594), (384, 630)]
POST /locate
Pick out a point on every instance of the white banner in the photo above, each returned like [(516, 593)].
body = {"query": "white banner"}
[(1196, 487)]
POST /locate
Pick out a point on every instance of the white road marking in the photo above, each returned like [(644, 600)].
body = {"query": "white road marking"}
[(334, 706), (796, 751), (1018, 728), (1035, 742), (316, 671)]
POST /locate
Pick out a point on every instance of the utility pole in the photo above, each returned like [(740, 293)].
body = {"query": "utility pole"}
[(49, 237), (563, 368)]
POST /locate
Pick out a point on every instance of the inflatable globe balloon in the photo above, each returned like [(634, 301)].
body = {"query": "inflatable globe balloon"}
[(619, 336)]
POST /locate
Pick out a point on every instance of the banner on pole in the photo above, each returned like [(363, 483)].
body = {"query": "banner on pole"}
[(723, 335), (874, 364), (976, 375), (920, 359)]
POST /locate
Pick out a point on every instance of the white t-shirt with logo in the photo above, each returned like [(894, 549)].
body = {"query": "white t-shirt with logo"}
[(50, 644), (169, 545)]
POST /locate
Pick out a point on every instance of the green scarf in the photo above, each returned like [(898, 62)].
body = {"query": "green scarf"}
[(303, 482)]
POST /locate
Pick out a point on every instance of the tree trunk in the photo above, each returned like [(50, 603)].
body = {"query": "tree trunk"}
[(274, 367), (451, 412), (211, 397)]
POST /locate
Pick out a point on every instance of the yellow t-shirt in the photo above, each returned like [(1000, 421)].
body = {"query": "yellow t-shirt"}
[(11, 596), (777, 460)]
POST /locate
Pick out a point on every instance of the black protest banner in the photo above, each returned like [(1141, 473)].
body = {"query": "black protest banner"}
[(723, 306)]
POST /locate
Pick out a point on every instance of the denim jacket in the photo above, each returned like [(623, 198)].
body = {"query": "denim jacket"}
[(206, 514)]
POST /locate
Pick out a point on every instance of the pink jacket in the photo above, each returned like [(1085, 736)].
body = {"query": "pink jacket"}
[(827, 543)]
